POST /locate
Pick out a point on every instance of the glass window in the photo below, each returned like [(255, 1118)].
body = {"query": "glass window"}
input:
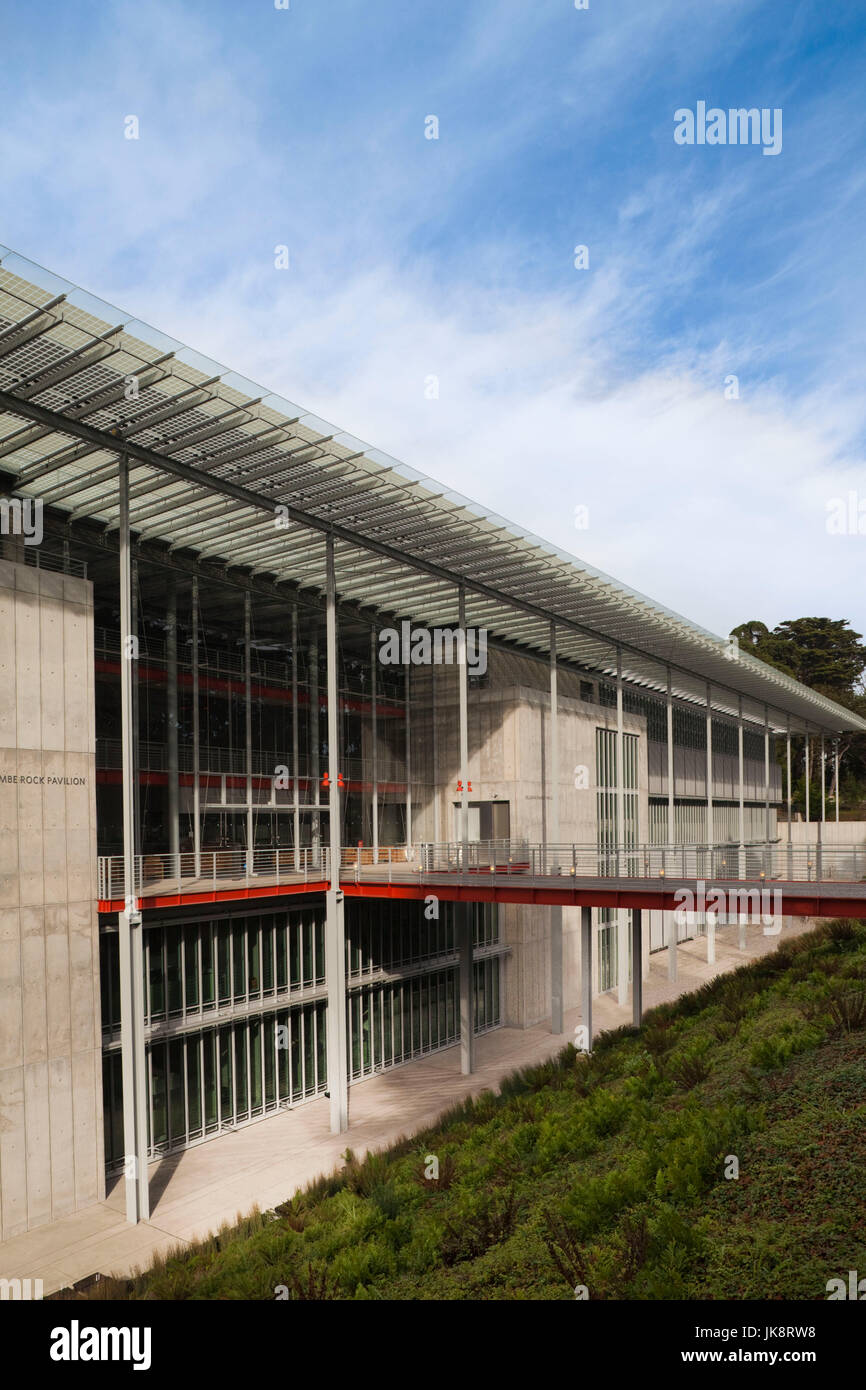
[(239, 962), (211, 1109), (155, 975), (283, 928), (158, 1094), (193, 1086), (268, 956), (256, 1100), (241, 1096), (226, 1100), (176, 1092), (253, 957), (173, 944), (309, 1052), (322, 1039), (224, 966), (191, 966), (208, 980)]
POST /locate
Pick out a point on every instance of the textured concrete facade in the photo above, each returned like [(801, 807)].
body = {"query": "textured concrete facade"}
[(509, 761), (51, 1149)]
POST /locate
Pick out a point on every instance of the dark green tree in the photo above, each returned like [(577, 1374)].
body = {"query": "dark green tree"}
[(827, 655)]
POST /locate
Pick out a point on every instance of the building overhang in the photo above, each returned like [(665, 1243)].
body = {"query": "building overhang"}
[(252, 483)]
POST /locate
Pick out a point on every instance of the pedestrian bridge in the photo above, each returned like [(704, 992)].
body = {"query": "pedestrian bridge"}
[(773, 878)]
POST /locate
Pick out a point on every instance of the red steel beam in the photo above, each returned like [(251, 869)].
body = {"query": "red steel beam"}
[(220, 895), (803, 903)]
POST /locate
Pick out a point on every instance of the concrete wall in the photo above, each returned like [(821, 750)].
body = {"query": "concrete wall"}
[(51, 1152), (847, 832), (509, 760)]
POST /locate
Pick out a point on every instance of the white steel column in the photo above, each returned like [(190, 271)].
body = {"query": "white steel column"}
[(836, 777), (314, 781), (556, 1001), (408, 727), (621, 924), (463, 911), (767, 836), (823, 780), (790, 796), (808, 766), (586, 973), (248, 725), (637, 957), (464, 727), (374, 658), (171, 720), (133, 1059), (335, 935), (296, 782), (741, 824), (710, 917), (196, 737), (464, 919), (672, 922)]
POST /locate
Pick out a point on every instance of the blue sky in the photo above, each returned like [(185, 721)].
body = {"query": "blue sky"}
[(453, 258)]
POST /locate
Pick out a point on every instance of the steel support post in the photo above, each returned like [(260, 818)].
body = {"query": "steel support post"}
[(790, 800), (673, 930), (741, 824), (374, 697), (463, 680), (556, 990), (171, 720), (335, 936), (767, 835), (823, 780), (808, 762), (621, 922), (464, 912), (314, 780), (711, 828), (196, 737), (408, 725), (248, 726), (586, 974), (131, 956), (296, 781), (636, 975)]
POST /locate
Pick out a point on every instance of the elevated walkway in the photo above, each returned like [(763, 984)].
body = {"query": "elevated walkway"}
[(773, 878)]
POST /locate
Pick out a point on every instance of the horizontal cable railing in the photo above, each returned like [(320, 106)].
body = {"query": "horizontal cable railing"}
[(189, 872), (752, 862), (42, 559)]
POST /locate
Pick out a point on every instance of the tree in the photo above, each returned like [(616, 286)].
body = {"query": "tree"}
[(828, 656)]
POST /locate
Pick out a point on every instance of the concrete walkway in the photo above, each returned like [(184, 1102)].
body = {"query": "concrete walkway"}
[(194, 1191)]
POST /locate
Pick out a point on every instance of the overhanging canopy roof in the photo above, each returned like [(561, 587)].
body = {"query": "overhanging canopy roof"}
[(238, 475)]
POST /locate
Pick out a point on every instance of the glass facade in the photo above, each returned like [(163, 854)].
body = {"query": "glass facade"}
[(193, 969), (204, 1081), (403, 1001)]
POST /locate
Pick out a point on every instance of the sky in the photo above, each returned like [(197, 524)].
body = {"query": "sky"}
[(681, 405)]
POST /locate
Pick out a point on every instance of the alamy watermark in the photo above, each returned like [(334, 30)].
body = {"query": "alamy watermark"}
[(22, 517), (731, 902), (437, 646), (737, 126)]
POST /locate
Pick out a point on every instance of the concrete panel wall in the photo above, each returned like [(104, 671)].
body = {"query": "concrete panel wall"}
[(51, 1151)]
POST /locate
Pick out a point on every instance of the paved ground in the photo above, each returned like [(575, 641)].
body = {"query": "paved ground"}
[(193, 1192)]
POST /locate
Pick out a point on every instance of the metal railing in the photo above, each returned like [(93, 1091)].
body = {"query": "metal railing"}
[(188, 872), (721, 862), (59, 562)]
